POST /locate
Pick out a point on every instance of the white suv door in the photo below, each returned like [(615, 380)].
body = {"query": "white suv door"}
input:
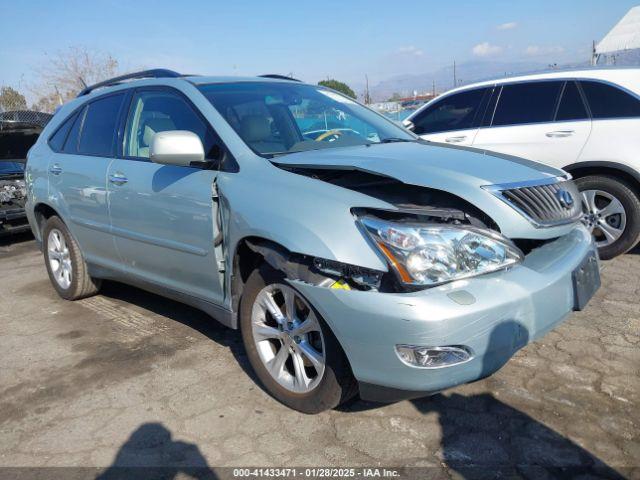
[(616, 124), (452, 119), (545, 121)]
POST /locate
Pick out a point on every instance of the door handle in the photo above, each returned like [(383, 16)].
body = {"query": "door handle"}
[(118, 179), (560, 133), (459, 139), (55, 169)]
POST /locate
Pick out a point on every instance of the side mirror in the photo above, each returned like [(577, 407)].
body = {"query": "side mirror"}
[(408, 124), (176, 147)]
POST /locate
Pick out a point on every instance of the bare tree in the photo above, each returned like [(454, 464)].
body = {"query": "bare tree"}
[(66, 72)]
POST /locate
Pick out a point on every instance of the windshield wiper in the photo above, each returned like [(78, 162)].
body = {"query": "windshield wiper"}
[(396, 139)]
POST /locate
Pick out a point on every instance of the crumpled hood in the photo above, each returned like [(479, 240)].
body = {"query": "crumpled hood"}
[(437, 166), (460, 171)]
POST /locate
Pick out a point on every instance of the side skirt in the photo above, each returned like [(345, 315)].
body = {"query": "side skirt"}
[(219, 313)]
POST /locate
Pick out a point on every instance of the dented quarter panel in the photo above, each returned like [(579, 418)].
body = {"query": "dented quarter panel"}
[(301, 214)]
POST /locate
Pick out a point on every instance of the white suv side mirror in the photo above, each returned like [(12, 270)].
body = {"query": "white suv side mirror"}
[(176, 147), (408, 124)]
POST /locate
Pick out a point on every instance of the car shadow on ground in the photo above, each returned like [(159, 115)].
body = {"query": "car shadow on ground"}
[(483, 437), (184, 314), (480, 434), (7, 240), (151, 452)]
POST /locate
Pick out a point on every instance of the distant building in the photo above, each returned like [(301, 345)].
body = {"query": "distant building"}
[(424, 98)]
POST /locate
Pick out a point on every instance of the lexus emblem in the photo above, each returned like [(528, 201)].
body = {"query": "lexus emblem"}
[(565, 199)]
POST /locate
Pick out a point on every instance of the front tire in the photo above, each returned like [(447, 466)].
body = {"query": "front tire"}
[(611, 212), (65, 265), (291, 349)]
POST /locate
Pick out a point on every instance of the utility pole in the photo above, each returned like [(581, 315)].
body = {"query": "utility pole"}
[(433, 88), (367, 97), (60, 102), (455, 80)]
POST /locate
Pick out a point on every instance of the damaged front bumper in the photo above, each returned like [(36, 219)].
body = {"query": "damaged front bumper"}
[(491, 315)]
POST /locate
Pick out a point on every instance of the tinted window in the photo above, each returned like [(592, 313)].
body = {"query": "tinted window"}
[(57, 140), (71, 144), (607, 101), (571, 106), (157, 111), (455, 112), (527, 103), (99, 127)]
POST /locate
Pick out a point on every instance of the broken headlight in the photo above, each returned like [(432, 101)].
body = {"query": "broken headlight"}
[(431, 254)]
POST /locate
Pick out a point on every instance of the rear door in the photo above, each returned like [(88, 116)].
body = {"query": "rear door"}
[(453, 119), (545, 121), (85, 146), (616, 124), (162, 216)]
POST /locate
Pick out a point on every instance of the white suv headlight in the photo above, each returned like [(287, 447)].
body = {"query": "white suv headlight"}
[(431, 254)]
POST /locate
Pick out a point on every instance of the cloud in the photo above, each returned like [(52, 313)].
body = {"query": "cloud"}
[(537, 50), (409, 51), (485, 49), (507, 26)]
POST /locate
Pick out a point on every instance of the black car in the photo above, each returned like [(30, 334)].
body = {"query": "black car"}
[(19, 129)]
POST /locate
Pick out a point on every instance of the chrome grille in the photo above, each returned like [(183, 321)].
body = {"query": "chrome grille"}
[(545, 204)]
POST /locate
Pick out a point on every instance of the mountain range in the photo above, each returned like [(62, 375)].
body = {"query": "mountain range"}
[(472, 71)]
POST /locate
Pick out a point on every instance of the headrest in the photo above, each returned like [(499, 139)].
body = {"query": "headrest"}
[(255, 128), (155, 125)]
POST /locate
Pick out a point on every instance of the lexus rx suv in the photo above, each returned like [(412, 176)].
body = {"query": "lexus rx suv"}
[(353, 256), (583, 121)]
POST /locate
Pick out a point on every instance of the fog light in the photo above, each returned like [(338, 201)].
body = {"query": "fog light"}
[(433, 357)]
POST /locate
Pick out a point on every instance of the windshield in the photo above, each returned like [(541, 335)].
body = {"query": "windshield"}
[(275, 118)]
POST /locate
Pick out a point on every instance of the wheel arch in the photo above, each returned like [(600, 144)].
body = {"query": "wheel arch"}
[(250, 253), (623, 172), (43, 212)]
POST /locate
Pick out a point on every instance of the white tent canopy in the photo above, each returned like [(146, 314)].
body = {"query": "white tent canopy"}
[(625, 35)]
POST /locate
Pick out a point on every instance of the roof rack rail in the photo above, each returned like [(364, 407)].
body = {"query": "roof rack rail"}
[(279, 77), (155, 73)]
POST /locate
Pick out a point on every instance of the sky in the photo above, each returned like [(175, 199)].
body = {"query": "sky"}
[(312, 40)]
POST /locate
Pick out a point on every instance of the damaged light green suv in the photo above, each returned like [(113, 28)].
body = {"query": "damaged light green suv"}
[(353, 257)]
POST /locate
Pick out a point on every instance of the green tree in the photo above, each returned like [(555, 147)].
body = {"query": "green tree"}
[(338, 86), (395, 97), (11, 99)]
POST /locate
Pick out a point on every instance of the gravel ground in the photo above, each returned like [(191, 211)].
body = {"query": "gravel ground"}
[(130, 378)]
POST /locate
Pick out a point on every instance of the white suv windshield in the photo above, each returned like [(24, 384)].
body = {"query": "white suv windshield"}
[(283, 117)]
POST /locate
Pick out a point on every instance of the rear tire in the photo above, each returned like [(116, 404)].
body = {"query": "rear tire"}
[(65, 265), (332, 387), (615, 233)]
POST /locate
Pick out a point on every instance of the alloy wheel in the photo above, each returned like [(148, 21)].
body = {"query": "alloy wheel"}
[(604, 215), (288, 338), (59, 258)]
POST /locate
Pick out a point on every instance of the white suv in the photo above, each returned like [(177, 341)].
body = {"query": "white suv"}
[(586, 122)]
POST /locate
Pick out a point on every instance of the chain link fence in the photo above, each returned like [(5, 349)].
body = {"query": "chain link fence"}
[(11, 120), (15, 114)]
